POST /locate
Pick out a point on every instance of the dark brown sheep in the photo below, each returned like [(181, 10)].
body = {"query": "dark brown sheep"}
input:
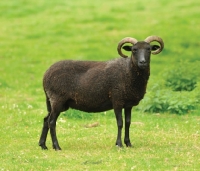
[(93, 86)]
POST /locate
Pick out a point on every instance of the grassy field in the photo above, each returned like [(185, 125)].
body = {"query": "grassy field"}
[(36, 33)]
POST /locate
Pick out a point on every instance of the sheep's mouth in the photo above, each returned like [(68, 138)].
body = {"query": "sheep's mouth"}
[(142, 66)]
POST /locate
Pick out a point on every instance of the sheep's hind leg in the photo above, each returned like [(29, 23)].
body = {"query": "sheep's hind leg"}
[(56, 109), (127, 126), (43, 136), (118, 114), (52, 124), (45, 129)]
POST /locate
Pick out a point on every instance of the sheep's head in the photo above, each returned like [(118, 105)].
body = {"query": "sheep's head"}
[(141, 50)]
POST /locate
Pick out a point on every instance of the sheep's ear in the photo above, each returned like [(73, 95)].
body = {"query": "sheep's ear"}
[(154, 47), (127, 48)]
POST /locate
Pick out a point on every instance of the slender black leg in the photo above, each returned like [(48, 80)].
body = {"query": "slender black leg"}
[(45, 129), (43, 136), (127, 126), (118, 114), (52, 124)]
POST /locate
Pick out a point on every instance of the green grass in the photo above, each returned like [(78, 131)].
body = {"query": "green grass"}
[(35, 34), (161, 142)]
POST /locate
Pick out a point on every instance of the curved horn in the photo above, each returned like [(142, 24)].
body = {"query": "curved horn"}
[(122, 42), (157, 39)]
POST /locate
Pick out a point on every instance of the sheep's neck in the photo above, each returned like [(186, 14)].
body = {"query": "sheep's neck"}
[(145, 73), (139, 79)]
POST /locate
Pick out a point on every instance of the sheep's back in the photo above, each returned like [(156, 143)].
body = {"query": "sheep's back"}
[(81, 83)]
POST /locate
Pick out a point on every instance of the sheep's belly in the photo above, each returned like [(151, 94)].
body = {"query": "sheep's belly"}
[(91, 107)]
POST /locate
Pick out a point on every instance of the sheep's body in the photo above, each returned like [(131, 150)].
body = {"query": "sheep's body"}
[(93, 86)]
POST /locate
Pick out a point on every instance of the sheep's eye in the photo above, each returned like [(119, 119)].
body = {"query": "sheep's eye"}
[(149, 49), (134, 50)]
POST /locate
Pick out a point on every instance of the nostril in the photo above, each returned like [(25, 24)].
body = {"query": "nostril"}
[(143, 62)]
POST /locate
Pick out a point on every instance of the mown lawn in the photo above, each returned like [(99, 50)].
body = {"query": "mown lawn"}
[(36, 33)]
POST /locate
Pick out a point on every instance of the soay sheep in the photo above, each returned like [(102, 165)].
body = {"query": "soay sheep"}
[(95, 86)]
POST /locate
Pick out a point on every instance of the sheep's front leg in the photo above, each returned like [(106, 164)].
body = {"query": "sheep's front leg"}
[(118, 114), (127, 126)]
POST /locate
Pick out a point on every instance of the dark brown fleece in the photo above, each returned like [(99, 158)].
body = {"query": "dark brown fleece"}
[(93, 86)]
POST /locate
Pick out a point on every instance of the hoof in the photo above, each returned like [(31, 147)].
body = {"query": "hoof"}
[(119, 145), (129, 145), (43, 146), (56, 148)]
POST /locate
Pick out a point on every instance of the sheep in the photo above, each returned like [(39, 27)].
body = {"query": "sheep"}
[(97, 86)]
